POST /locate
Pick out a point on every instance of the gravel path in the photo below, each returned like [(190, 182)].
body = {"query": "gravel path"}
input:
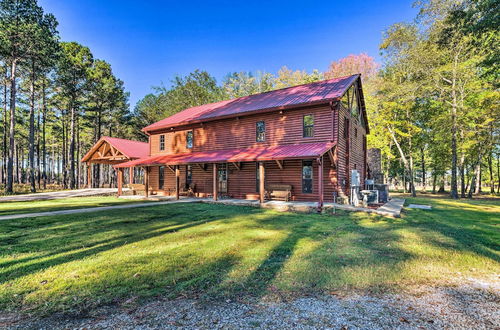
[(473, 305), (60, 194)]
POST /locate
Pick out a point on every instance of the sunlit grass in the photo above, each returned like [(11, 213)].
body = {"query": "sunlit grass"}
[(7, 208), (77, 262)]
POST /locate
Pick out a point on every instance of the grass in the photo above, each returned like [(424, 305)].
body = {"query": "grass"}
[(7, 208), (77, 263)]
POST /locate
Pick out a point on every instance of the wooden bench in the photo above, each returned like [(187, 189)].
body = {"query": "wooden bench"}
[(281, 192), (139, 188)]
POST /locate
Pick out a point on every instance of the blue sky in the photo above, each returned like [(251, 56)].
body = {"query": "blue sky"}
[(148, 42)]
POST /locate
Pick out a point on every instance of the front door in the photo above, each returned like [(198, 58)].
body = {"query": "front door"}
[(161, 177), (222, 169)]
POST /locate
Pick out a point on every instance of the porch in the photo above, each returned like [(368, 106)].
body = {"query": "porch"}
[(308, 170)]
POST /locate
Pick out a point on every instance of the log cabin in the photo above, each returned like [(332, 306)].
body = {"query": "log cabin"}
[(298, 143)]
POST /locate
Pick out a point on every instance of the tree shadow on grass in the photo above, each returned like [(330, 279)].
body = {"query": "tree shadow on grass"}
[(146, 227)]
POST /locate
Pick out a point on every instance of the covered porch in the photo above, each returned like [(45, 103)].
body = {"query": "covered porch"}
[(307, 170), (113, 151)]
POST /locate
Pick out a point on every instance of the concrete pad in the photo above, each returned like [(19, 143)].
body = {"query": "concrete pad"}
[(91, 209), (420, 206), (392, 208)]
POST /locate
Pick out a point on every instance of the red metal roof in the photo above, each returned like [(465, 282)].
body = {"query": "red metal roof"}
[(293, 151), (317, 92), (131, 149)]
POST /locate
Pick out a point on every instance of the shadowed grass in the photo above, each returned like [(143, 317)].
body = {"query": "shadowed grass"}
[(7, 208), (75, 263)]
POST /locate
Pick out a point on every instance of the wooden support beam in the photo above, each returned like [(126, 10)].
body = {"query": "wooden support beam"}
[(320, 184), (177, 181), (171, 168), (104, 149), (262, 179), (237, 165), (280, 164), (146, 181), (131, 175), (89, 175), (203, 167), (215, 181), (120, 181)]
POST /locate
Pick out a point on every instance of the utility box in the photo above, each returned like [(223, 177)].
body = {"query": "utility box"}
[(355, 178), (383, 192)]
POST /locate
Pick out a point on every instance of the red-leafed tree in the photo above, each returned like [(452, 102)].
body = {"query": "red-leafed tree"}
[(352, 64)]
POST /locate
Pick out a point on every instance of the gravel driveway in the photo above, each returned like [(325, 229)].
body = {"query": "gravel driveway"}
[(472, 305)]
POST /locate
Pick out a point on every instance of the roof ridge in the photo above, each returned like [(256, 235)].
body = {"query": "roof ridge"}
[(275, 90)]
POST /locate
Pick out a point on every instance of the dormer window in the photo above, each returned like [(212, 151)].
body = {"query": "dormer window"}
[(189, 139), (260, 131)]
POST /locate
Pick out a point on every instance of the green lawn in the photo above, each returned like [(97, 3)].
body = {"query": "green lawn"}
[(7, 208), (78, 262)]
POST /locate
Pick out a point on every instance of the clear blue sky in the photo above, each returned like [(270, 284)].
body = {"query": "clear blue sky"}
[(148, 42)]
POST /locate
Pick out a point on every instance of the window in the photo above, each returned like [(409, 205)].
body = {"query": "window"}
[(346, 128), (260, 128), (353, 102), (307, 177), (350, 101), (161, 176), (189, 176), (189, 139), (308, 126), (162, 142)]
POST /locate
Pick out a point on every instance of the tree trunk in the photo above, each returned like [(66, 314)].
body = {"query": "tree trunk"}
[(5, 118), (408, 165), (63, 156), (72, 181), (490, 168), (31, 155), (44, 146), (38, 169), (434, 181), (478, 178), (424, 183), (454, 187), (498, 173), (10, 164), (462, 176)]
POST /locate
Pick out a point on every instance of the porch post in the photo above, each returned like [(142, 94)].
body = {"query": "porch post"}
[(262, 178), (177, 178), (120, 181), (146, 181), (89, 175), (215, 181), (320, 184), (131, 175)]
